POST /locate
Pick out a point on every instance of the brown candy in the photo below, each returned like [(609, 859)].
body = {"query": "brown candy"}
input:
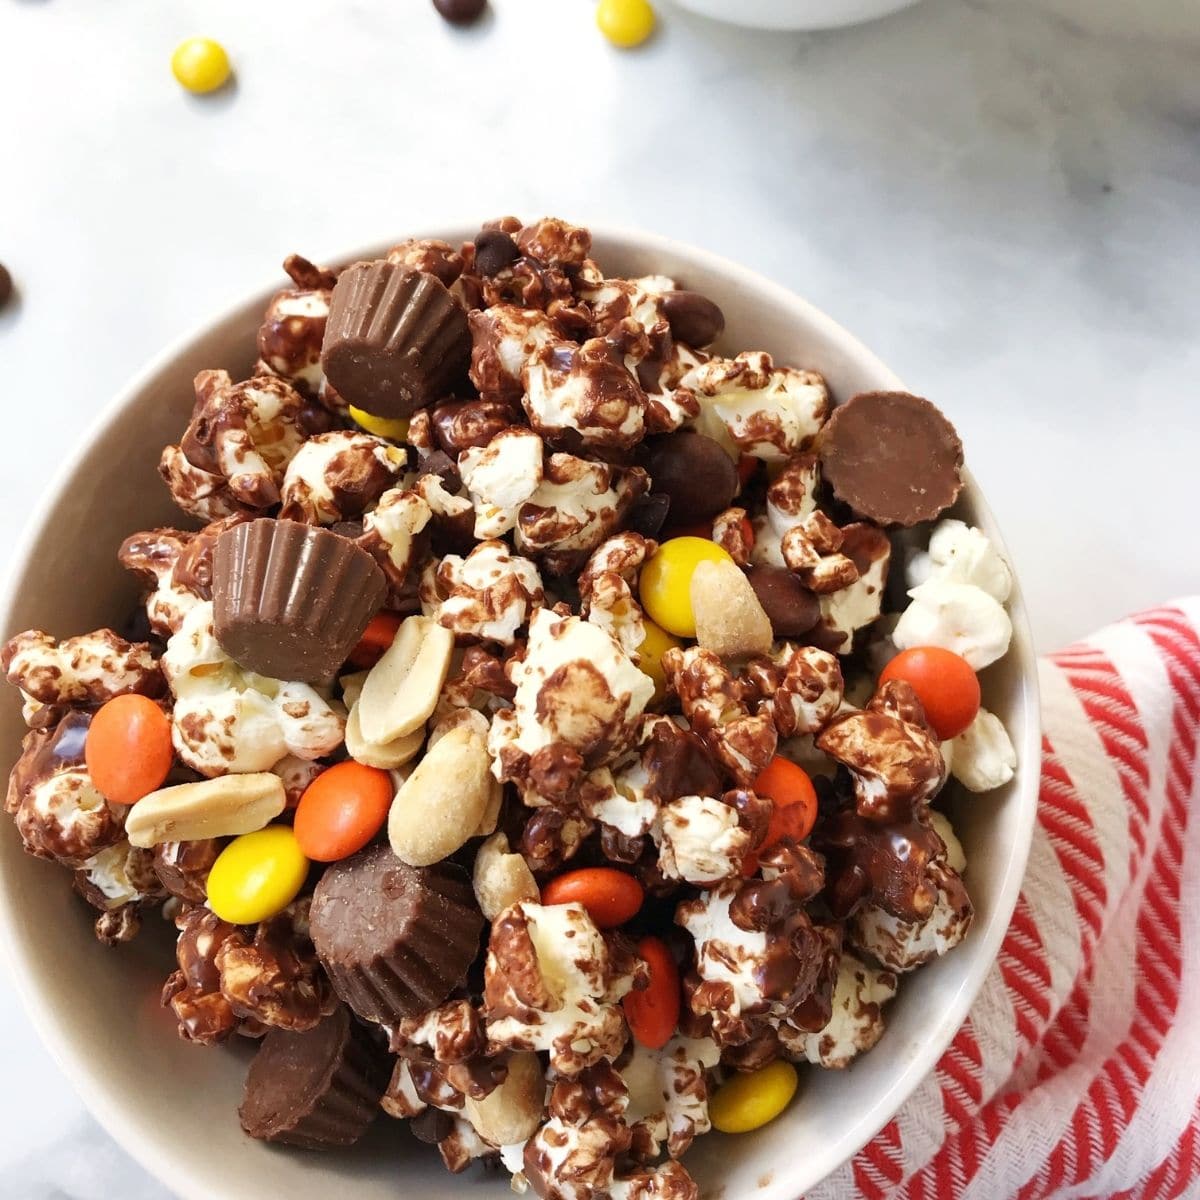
[(6, 286), (694, 472), (460, 12), (892, 457), (318, 1089), (395, 341), (396, 940), (694, 319), (494, 250), (291, 601), (790, 607)]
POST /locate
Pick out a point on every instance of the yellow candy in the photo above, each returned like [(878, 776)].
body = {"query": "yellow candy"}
[(257, 875), (395, 428), (666, 582), (200, 64), (749, 1101), (649, 655), (625, 22)]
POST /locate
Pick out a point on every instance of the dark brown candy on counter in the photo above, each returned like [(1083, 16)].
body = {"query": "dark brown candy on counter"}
[(6, 286), (291, 601), (694, 319), (692, 470), (395, 940), (790, 607), (319, 1089), (395, 341), (494, 250), (893, 458), (460, 12)]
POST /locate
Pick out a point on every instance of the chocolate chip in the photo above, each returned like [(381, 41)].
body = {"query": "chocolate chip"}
[(694, 319), (649, 515), (494, 250), (6, 286), (791, 608), (693, 470), (439, 463)]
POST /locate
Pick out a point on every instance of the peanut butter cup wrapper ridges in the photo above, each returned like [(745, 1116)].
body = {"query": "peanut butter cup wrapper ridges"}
[(291, 601)]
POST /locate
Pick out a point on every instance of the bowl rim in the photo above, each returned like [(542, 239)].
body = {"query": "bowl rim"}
[(130, 1127)]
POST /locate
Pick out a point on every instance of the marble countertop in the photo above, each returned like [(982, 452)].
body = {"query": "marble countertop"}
[(999, 196)]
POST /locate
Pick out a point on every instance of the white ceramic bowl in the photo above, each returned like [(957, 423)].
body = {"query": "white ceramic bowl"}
[(173, 1105), (795, 14)]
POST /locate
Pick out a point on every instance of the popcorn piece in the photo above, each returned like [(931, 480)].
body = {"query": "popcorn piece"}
[(574, 1154), (578, 504), (584, 394), (607, 584), (338, 476), (293, 328), (85, 670), (552, 983), (118, 880), (751, 406), (237, 446), (489, 594), (555, 242), (741, 741), (504, 338), (552, 836), (729, 532), (960, 553), (453, 1032), (701, 840), (501, 476), (177, 567), (668, 1095), (182, 867), (391, 532), (811, 550), (791, 500), (670, 1181), (575, 688), (854, 607), (758, 956), (193, 991), (857, 1020), (956, 616), (430, 255), (57, 809), (954, 855), (630, 312), (904, 945), (297, 774), (230, 720), (800, 686), (275, 980), (895, 761), (983, 757)]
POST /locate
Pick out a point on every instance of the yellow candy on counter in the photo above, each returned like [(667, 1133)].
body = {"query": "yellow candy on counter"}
[(625, 23), (394, 428), (649, 655), (257, 875), (665, 585), (200, 65), (747, 1102)]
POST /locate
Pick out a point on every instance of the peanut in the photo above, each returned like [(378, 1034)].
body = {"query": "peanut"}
[(512, 1112), (444, 800), (730, 620), (401, 690), (502, 878), (190, 812), (386, 756)]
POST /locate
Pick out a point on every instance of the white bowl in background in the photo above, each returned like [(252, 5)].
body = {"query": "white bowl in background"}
[(795, 14), (172, 1105)]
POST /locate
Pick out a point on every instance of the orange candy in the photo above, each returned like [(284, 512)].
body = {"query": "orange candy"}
[(377, 637), (653, 1014), (795, 805), (611, 897), (945, 684), (342, 810), (128, 750)]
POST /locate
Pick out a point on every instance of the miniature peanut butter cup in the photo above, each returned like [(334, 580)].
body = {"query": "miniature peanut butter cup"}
[(395, 341), (319, 1089), (892, 457), (395, 940), (291, 601)]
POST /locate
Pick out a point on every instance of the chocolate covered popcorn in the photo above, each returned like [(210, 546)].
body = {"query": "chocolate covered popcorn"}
[(521, 746)]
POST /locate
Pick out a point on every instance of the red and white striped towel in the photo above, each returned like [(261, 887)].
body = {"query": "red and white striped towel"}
[(1077, 1073)]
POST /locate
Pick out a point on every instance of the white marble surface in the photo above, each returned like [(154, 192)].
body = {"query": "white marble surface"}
[(1000, 196)]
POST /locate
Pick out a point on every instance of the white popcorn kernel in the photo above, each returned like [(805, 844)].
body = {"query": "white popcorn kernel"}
[(700, 840), (500, 477), (955, 616), (983, 756), (960, 553)]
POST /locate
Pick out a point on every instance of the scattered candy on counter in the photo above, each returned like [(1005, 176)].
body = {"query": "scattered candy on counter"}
[(200, 65), (626, 23), (752, 1100), (257, 875), (460, 12)]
